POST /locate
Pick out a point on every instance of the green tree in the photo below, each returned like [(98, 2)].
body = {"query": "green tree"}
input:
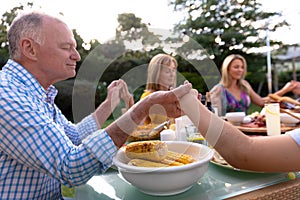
[(6, 21), (224, 27), (132, 29)]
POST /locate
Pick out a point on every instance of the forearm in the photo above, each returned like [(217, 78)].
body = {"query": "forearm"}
[(258, 100), (238, 149), (127, 123), (282, 91), (218, 133), (288, 87), (103, 112)]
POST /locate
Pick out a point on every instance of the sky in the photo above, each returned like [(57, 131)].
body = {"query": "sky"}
[(98, 19), (94, 19)]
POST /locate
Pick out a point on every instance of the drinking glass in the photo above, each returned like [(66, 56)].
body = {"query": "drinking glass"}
[(272, 111)]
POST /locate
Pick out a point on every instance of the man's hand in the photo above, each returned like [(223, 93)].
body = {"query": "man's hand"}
[(160, 101), (167, 102), (125, 95), (113, 94)]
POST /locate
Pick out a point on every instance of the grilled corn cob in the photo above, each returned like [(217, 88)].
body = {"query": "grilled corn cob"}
[(171, 162), (153, 150), (146, 163), (180, 157)]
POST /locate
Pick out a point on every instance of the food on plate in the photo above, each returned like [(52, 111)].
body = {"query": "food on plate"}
[(180, 157), (173, 127), (257, 120), (172, 162), (254, 115), (146, 163), (154, 153), (153, 150), (145, 132), (284, 99), (247, 120), (260, 121), (217, 158)]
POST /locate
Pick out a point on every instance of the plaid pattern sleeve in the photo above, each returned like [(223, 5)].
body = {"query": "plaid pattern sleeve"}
[(39, 148)]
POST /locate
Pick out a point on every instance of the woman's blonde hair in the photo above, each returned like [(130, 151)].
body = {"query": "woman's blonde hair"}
[(227, 79), (154, 69)]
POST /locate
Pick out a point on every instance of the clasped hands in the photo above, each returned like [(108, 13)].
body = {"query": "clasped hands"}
[(163, 103), (116, 91)]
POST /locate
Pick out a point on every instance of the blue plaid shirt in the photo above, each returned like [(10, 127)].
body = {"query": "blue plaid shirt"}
[(39, 148)]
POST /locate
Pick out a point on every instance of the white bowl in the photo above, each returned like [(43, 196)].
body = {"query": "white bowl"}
[(166, 180), (288, 119), (235, 118)]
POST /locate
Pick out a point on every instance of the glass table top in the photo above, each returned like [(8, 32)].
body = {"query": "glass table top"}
[(217, 183)]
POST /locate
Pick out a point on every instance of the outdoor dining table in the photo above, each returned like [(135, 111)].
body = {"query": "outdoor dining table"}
[(217, 183)]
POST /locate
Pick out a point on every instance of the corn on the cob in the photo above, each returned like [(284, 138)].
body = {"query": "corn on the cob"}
[(171, 162), (180, 157), (153, 150), (146, 163)]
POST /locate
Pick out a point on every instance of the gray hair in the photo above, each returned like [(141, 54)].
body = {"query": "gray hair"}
[(27, 25)]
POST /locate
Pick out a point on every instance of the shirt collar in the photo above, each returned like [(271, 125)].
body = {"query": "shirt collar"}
[(20, 73)]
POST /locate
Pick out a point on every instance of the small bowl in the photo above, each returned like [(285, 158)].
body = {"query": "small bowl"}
[(236, 118), (166, 181), (288, 120)]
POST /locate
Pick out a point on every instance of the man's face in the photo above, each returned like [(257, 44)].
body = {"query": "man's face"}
[(57, 55)]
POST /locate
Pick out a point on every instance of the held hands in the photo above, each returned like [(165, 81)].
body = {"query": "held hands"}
[(157, 102), (167, 102), (116, 91), (125, 95)]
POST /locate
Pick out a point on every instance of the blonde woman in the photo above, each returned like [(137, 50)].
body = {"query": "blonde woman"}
[(161, 76), (234, 93)]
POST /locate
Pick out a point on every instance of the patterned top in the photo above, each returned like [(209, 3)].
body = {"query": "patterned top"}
[(234, 105), (39, 148)]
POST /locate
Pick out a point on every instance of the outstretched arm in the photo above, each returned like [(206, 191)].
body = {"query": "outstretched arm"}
[(105, 109), (292, 86), (270, 153)]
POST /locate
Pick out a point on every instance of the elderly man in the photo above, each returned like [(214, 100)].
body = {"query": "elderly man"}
[(39, 148)]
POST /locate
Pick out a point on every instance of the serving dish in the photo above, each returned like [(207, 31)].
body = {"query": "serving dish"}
[(164, 181), (235, 118), (289, 120)]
